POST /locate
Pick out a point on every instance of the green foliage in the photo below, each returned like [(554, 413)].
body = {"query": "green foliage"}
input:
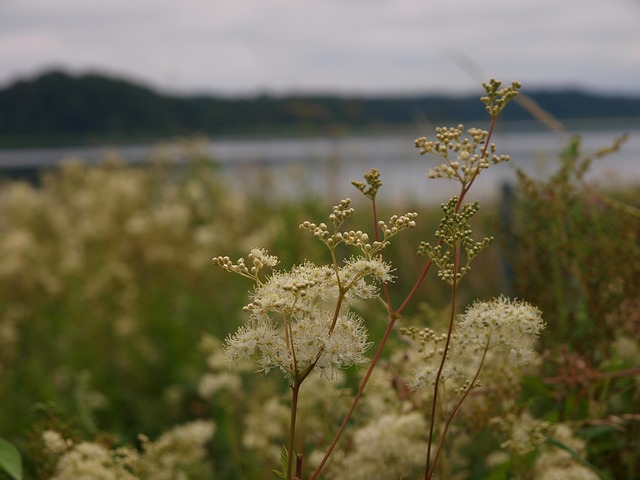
[(284, 458), (576, 254), (10, 460)]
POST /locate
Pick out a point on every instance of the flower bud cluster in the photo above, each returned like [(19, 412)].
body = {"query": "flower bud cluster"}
[(395, 225), (497, 98), (359, 239), (430, 348), (258, 257), (370, 189), (227, 264), (424, 337), (399, 223), (454, 232), (466, 157), (341, 212), (471, 153), (319, 231)]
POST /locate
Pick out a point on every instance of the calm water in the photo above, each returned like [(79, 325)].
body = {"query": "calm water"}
[(327, 165)]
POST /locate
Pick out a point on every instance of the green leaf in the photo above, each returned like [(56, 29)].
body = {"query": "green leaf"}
[(10, 460), (284, 457), (278, 474)]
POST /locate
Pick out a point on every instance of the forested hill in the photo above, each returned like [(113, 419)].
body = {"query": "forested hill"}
[(94, 106)]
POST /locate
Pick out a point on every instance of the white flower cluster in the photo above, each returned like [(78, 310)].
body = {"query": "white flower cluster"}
[(555, 463), (300, 319), (90, 461), (172, 456), (321, 407), (54, 443), (390, 446), (177, 451), (295, 324), (218, 377), (502, 323), (524, 434), (507, 329)]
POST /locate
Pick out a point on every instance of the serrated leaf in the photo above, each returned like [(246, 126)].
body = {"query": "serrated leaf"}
[(278, 474), (284, 460), (10, 460)]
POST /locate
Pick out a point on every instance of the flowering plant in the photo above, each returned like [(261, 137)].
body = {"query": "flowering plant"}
[(302, 321)]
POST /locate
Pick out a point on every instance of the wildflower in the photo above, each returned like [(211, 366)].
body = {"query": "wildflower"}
[(295, 325), (390, 446), (260, 258), (211, 383), (89, 460), (175, 452), (502, 323), (264, 425), (503, 327), (523, 432), (54, 443), (430, 350), (355, 270), (307, 343), (293, 292), (560, 463)]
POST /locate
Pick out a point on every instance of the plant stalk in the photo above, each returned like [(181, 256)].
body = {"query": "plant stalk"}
[(295, 391)]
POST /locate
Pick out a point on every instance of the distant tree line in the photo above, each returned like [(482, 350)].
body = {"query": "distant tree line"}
[(57, 104)]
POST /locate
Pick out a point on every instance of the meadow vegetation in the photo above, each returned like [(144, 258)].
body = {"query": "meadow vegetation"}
[(387, 344)]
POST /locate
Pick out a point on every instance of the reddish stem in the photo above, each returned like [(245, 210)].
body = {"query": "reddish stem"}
[(393, 316)]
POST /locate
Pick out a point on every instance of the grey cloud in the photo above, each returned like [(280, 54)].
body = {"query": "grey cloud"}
[(365, 45)]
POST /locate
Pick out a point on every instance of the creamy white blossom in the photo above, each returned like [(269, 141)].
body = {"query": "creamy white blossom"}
[(501, 329), (260, 257), (293, 292), (175, 451), (211, 383), (172, 456), (306, 342), (300, 319), (523, 432), (502, 323), (355, 271), (556, 463), (90, 461), (390, 446), (54, 443)]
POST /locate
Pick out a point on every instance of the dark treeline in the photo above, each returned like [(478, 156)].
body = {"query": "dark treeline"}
[(92, 106)]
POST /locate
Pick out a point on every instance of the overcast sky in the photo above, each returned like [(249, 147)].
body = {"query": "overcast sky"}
[(339, 46)]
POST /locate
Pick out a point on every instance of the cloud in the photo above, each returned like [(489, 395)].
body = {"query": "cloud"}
[(239, 46)]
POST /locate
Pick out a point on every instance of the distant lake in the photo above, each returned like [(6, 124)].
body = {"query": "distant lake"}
[(326, 165)]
